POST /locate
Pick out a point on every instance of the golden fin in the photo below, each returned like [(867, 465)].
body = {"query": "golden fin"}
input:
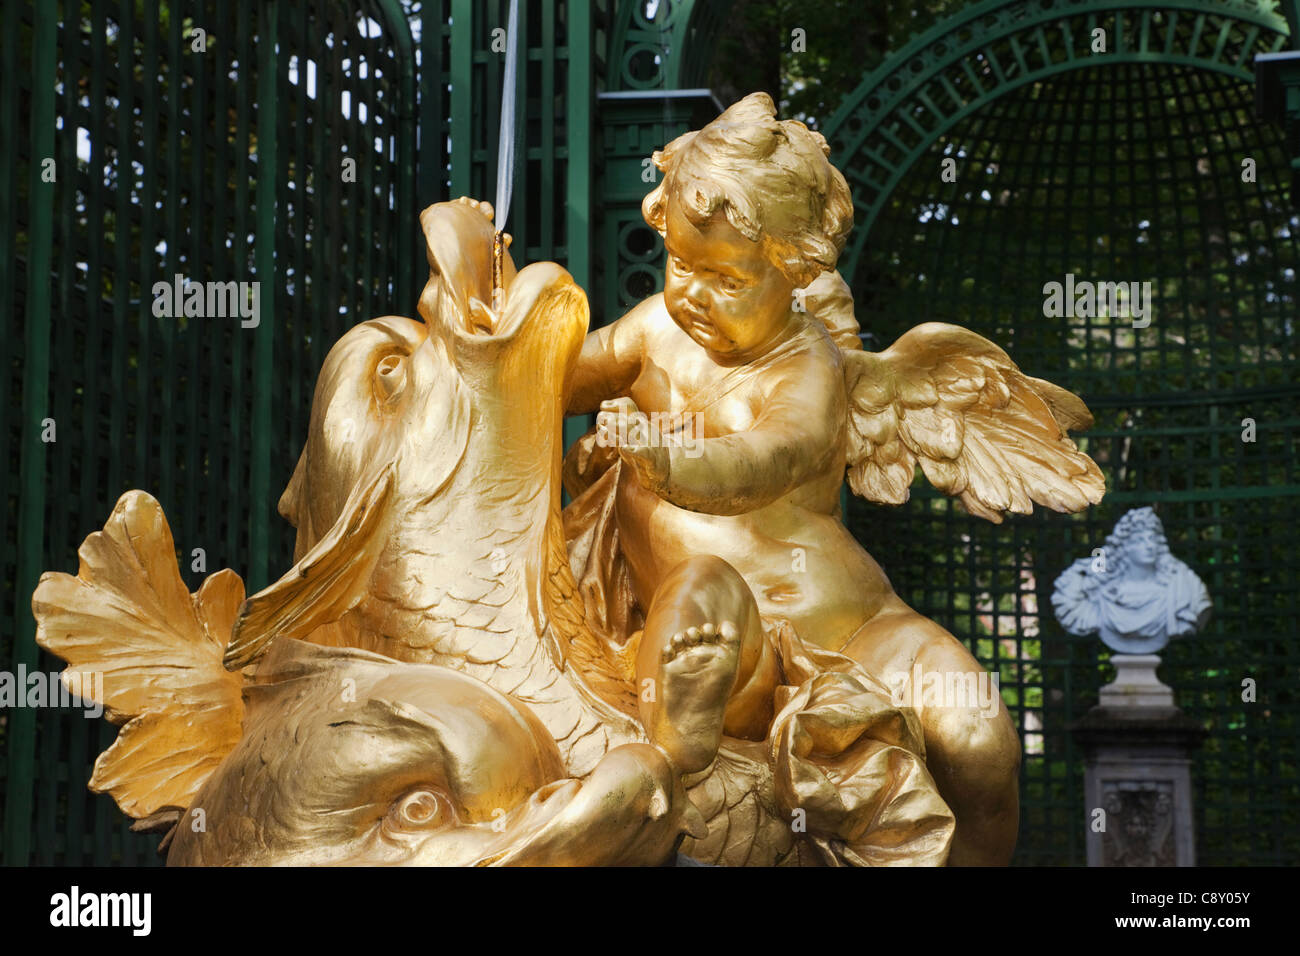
[(139, 643), (329, 581)]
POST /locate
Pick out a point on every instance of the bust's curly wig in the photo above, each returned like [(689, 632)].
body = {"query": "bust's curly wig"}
[(1116, 550)]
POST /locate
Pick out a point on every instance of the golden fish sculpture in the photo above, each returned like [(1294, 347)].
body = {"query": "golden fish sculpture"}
[(423, 685)]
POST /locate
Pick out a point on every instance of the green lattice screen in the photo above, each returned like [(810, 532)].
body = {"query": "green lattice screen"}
[(160, 151), (1120, 172)]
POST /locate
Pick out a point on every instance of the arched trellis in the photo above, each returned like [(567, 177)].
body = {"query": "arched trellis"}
[(995, 47), (1122, 165)]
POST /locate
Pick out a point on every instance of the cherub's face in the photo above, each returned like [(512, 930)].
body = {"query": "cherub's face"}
[(721, 290)]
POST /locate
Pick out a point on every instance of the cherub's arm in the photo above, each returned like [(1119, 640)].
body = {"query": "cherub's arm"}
[(790, 442), (610, 361)]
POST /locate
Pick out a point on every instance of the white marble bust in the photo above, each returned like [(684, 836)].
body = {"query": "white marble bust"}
[(1134, 594)]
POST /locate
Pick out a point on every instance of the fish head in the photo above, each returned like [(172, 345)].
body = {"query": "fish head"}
[(350, 758)]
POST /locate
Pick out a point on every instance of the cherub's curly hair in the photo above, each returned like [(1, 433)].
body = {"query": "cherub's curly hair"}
[(749, 166)]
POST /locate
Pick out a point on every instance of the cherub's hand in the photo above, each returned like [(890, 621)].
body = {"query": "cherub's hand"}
[(620, 424)]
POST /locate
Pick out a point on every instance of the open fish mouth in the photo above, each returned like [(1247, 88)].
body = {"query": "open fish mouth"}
[(542, 293), (470, 305), (482, 319)]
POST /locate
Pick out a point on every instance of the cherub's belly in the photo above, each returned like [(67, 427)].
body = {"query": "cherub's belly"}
[(802, 566)]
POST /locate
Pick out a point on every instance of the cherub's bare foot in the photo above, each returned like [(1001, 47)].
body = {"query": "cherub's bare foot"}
[(697, 669)]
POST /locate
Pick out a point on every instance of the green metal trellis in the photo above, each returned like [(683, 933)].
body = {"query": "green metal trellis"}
[(1116, 165), (229, 164), (216, 159)]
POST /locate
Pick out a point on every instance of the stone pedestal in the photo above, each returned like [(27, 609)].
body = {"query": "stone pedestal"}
[(1136, 686), (1138, 749)]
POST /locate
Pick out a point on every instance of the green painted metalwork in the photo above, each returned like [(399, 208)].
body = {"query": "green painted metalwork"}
[(953, 70), (1123, 166), (580, 103), (216, 164), (462, 101), (21, 727), (1291, 10), (264, 334), (462, 46), (659, 54), (663, 44), (1277, 99)]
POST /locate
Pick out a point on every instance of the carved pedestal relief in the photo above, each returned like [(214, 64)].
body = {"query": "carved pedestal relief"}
[(1139, 823)]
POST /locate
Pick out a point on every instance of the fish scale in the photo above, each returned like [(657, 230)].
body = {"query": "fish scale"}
[(495, 637)]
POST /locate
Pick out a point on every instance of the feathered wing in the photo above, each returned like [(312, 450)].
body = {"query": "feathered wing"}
[(981, 430), (128, 617)]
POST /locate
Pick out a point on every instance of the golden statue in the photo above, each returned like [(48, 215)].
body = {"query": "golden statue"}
[(693, 655)]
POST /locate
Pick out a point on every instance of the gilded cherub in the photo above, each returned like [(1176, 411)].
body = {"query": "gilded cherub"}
[(753, 345)]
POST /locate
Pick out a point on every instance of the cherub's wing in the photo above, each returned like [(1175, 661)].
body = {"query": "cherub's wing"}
[(981, 430)]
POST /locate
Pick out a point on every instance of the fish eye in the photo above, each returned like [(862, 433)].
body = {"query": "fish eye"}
[(390, 375), (421, 809)]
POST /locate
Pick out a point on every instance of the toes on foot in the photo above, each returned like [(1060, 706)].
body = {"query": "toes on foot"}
[(724, 633)]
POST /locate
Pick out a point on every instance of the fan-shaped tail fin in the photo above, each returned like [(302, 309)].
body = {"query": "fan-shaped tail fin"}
[(127, 627)]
